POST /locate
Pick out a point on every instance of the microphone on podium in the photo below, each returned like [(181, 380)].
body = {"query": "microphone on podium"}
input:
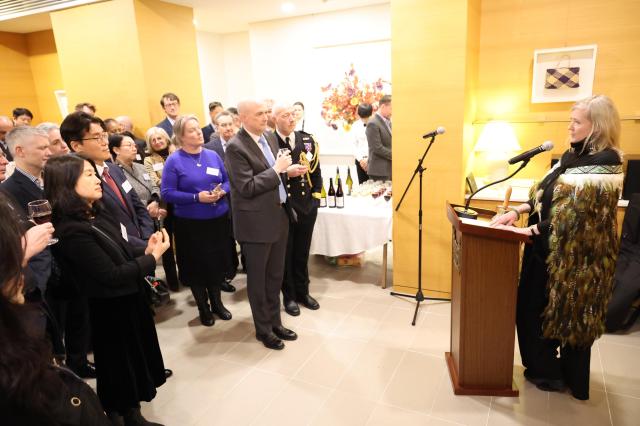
[(466, 212), (527, 155)]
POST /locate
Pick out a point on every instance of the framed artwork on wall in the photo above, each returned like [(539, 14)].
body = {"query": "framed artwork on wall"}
[(564, 74)]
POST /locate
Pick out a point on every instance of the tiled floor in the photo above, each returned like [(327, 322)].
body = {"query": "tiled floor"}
[(358, 361)]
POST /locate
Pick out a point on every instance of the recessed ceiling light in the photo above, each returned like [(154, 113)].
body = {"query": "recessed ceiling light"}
[(288, 7)]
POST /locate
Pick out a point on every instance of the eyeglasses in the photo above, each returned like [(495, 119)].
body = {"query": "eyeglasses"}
[(101, 136)]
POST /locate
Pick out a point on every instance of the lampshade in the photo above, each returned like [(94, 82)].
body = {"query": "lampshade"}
[(497, 136)]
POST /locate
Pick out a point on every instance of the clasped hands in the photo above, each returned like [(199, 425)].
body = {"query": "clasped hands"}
[(213, 196), (158, 243), (284, 164)]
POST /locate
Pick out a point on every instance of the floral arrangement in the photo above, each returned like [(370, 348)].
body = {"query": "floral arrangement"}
[(341, 101)]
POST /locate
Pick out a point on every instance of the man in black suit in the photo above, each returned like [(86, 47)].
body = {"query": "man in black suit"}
[(30, 149), (215, 108), (303, 193), (171, 105), (6, 124), (260, 221), (87, 136)]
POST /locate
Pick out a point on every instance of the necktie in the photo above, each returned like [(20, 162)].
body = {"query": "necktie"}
[(288, 141), (271, 160), (114, 187)]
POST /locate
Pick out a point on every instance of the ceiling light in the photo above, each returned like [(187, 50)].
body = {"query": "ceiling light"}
[(288, 7)]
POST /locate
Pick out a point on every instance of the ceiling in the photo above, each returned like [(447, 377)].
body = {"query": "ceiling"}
[(218, 16)]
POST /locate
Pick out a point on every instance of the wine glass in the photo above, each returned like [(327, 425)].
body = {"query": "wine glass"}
[(40, 212)]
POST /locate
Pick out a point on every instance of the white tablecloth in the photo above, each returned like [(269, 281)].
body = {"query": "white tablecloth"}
[(363, 224)]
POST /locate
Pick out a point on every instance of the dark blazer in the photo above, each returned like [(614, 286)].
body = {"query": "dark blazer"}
[(379, 139), (207, 131), (167, 126), (22, 189), (255, 200), (94, 256), (299, 192), (5, 150), (139, 224), (215, 144)]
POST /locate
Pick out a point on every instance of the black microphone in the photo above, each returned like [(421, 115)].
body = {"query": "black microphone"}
[(440, 130), (546, 146)]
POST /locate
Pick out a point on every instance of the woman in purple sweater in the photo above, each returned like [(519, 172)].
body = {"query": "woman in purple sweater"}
[(195, 181)]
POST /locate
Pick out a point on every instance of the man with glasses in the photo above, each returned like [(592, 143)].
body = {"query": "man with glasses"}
[(171, 105), (87, 136)]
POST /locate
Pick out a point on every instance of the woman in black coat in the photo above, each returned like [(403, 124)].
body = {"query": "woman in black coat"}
[(33, 391), (94, 255)]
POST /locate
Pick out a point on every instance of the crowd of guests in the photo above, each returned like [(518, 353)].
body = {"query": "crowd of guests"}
[(120, 205)]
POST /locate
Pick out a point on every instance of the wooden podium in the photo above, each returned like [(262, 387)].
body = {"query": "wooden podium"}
[(484, 282)]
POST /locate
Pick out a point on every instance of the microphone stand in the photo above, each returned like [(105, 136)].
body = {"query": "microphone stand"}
[(472, 214), (419, 296)]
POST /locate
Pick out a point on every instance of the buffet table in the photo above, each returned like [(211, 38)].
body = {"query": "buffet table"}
[(363, 224)]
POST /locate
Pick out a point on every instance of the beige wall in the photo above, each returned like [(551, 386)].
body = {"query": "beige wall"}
[(434, 62), (462, 63), (16, 80)]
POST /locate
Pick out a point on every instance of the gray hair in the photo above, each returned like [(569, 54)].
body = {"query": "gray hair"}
[(23, 135), (156, 131), (47, 127), (223, 114), (178, 128)]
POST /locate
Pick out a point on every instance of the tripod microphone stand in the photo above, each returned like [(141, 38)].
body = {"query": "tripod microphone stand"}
[(419, 296)]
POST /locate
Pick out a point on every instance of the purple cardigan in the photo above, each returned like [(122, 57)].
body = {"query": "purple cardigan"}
[(182, 179)]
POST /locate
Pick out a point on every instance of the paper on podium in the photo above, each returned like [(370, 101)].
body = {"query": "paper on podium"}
[(475, 222)]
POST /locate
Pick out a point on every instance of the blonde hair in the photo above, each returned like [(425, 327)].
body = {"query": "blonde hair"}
[(178, 128), (605, 123), (153, 131)]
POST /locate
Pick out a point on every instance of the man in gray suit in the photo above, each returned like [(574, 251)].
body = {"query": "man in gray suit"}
[(260, 221), (379, 139)]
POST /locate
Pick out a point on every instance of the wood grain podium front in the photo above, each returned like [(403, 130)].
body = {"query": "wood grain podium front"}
[(484, 285)]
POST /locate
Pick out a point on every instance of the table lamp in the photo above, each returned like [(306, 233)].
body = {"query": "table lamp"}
[(497, 141)]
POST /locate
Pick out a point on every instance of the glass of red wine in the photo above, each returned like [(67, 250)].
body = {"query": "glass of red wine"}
[(40, 212)]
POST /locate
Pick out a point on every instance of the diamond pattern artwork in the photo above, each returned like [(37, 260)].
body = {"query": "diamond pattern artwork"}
[(562, 78)]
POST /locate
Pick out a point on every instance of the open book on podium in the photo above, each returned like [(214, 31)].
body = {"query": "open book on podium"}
[(484, 282)]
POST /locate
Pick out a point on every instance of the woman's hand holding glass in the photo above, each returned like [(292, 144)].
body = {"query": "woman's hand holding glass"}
[(158, 244), (36, 239)]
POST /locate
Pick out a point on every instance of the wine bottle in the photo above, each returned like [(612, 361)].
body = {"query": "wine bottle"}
[(337, 174), (339, 195), (331, 199), (323, 197), (349, 181)]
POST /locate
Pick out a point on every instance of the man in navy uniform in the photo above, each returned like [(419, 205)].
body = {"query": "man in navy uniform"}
[(303, 194)]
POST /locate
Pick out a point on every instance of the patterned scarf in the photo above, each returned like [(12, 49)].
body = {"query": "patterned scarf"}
[(583, 247)]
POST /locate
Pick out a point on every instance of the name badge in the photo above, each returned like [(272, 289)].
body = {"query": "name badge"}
[(145, 176), (213, 171), (138, 157), (123, 230), (126, 186), (157, 167)]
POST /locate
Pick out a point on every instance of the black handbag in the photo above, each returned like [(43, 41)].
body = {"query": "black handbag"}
[(158, 291)]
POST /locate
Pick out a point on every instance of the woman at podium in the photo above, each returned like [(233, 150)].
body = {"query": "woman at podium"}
[(567, 273)]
